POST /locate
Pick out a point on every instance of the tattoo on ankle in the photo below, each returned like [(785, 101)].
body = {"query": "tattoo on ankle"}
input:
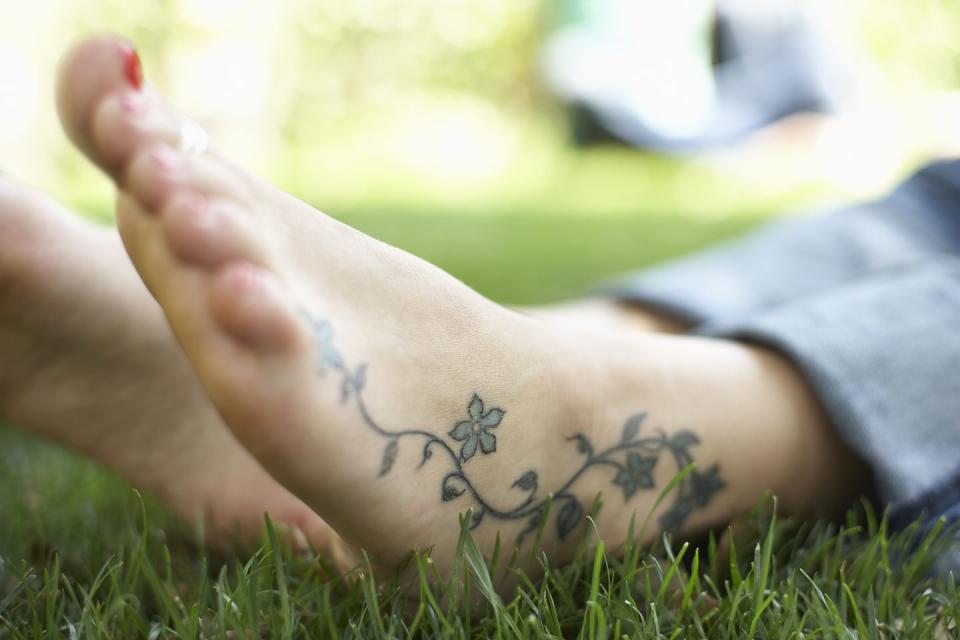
[(632, 459)]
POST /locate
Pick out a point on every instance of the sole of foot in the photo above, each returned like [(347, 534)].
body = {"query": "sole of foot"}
[(393, 399), (90, 363)]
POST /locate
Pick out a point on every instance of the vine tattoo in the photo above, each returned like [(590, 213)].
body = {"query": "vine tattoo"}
[(632, 460)]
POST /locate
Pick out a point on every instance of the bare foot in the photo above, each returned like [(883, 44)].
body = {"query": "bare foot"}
[(89, 362), (392, 398)]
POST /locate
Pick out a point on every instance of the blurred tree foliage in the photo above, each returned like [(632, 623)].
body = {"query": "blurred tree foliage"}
[(915, 43), (329, 62), (334, 55), (337, 54)]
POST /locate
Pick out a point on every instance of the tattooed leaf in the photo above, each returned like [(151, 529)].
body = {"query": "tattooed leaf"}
[(583, 444), (427, 452), (527, 482), (389, 457), (683, 440), (476, 518), (451, 493), (539, 517), (569, 517), (632, 427), (331, 358), (453, 486), (360, 378), (533, 524), (322, 330), (674, 518)]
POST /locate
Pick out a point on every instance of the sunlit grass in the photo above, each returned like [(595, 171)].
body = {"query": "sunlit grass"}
[(127, 571)]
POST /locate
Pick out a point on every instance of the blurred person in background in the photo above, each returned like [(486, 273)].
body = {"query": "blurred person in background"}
[(692, 76), (743, 83)]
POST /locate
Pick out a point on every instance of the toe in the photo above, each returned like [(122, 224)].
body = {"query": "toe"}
[(133, 135), (209, 232), (29, 221), (252, 305), (248, 302), (106, 111), (158, 172), (103, 106), (182, 293), (91, 70), (20, 225), (141, 240), (124, 122)]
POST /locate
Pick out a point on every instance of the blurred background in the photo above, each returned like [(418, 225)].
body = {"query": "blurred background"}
[(590, 136)]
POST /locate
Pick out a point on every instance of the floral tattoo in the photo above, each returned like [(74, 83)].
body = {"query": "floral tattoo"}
[(476, 428), (633, 459)]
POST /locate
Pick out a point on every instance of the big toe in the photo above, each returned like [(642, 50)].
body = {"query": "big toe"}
[(104, 106)]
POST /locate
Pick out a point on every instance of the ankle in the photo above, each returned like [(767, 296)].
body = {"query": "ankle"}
[(751, 412), (817, 473)]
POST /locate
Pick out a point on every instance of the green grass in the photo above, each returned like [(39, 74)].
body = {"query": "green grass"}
[(82, 555)]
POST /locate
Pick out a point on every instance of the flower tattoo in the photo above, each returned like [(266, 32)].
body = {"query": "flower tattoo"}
[(638, 474), (476, 428)]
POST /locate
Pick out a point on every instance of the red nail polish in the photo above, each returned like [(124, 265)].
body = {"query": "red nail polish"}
[(131, 65)]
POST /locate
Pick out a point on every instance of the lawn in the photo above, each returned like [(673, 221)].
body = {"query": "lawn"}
[(83, 555)]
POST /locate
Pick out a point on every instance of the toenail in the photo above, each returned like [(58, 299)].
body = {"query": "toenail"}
[(131, 65), (245, 278), (197, 204), (164, 158), (133, 103), (204, 218)]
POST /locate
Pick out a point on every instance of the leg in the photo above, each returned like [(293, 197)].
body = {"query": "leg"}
[(392, 398), (88, 362)]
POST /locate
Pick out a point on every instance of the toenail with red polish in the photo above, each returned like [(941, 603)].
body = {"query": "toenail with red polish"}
[(131, 65)]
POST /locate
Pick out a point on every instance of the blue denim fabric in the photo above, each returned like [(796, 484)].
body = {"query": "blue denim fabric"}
[(866, 302)]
